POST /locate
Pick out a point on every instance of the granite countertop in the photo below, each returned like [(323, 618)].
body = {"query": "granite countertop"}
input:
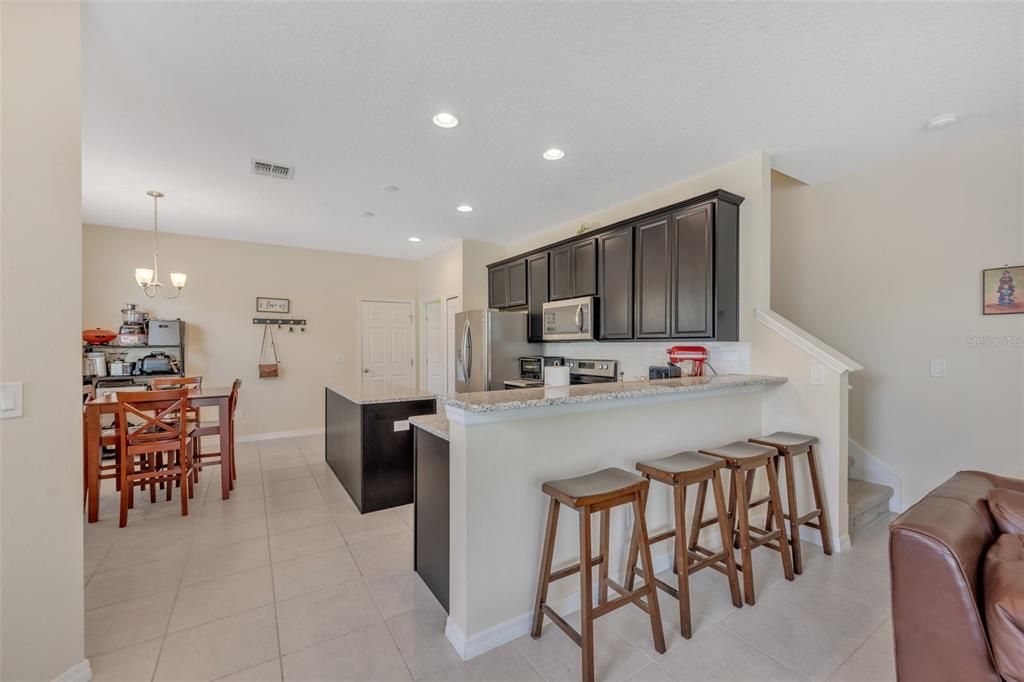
[(519, 399), (436, 424), (356, 396)]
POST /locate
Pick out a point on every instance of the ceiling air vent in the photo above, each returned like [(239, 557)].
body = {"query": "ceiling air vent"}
[(274, 170)]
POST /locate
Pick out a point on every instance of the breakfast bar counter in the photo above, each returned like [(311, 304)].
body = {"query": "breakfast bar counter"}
[(505, 444)]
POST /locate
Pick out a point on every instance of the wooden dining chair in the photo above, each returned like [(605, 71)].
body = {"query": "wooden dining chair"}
[(108, 438), (164, 383), (202, 459), (154, 445)]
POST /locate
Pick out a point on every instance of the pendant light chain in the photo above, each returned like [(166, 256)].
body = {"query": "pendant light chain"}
[(156, 250)]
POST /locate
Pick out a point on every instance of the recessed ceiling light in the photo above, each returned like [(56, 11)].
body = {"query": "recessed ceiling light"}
[(389, 188), (367, 214), (943, 121), (553, 154), (464, 208), (415, 239), (445, 120)]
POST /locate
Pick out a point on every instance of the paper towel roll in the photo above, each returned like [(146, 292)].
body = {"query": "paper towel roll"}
[(556, 376)]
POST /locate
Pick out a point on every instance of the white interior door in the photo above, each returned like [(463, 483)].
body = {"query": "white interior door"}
[(452, 305), (389, 353), (434, 334)]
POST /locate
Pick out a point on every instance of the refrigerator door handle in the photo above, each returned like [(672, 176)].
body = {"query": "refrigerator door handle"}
[(467, 351)]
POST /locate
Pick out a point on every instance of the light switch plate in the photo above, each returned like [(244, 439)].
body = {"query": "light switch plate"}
[(937, 368), (402, 425), (818, 375), (11, 400)]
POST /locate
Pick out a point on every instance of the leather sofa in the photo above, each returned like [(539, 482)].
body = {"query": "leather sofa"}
[(936, 557)]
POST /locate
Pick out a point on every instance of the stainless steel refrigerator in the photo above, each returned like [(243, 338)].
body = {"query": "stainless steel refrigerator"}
[(489, 345)]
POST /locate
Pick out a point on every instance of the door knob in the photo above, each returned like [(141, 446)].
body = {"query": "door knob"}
[(366, 370)]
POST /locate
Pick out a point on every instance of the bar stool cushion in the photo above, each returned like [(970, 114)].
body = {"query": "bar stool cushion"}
[(741, 451), (686, 462), (595, 487), (786, 440)]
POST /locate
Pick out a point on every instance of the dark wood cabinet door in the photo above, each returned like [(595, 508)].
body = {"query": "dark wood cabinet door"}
[(584, 268), (498, 286), (653, 276), (537, 294), (517, 283), (615, 284), (692, 244), (560, 272)]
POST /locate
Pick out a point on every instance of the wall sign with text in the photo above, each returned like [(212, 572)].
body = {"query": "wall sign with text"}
[(272, 305)]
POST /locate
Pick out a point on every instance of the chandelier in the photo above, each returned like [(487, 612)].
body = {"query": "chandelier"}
[(149, 279)]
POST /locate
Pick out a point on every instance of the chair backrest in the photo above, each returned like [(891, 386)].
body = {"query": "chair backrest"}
[(235, 385), (178, 382), (157, 426)]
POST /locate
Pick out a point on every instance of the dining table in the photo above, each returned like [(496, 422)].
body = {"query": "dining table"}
[(205, 396)]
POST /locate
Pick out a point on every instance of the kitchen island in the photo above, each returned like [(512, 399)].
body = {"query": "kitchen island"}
[(431, 537), (368, 444), (505, 444)]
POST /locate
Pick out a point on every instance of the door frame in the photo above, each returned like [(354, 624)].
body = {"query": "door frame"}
[(421, 345), (359, 335)]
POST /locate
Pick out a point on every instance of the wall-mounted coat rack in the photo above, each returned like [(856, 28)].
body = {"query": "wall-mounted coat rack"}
[(282, 322)]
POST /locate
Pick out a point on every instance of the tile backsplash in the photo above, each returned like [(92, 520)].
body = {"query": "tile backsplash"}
[(635, 358)]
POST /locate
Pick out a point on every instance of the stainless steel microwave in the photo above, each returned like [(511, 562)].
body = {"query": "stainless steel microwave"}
[(569, 320)]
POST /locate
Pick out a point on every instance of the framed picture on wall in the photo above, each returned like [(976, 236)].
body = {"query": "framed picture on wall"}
[(1002, 290), (272, 305)]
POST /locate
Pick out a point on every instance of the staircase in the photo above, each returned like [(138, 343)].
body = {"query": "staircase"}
[(867, 502)]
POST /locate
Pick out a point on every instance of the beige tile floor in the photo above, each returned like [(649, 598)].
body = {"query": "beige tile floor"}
[(286, 580)]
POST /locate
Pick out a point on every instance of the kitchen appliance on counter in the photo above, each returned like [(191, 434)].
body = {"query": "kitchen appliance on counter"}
[(119, 366), (166, 332), (94, 364), (592, 371), (683, 361), (490, 343), (663, 372), (571, 319), (133, 326), (157, 363), (532, 366)]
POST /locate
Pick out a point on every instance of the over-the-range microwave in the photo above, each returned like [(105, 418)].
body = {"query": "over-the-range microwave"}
[(571, 319)]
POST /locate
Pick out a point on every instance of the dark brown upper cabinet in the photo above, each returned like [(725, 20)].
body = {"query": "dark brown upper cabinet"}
[(497, 286), (693, 287), (572, 270), (653, 277), (517, 283), (507, 284), (537, 294), (615, 284)]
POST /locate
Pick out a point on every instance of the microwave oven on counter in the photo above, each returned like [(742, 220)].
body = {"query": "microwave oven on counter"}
[(569, 320)]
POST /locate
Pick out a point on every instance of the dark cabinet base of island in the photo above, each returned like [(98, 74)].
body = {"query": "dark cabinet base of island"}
[(431, 540), (368, 445)]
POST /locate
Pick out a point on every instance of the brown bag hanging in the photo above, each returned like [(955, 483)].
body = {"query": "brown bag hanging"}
[(268, 370)]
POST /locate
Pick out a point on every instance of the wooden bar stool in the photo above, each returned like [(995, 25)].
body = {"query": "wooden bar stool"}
[(743, 460), (679, 471), (789, 445), (596, 492)]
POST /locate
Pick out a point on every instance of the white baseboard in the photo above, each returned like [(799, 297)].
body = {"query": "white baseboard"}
[(514, 628), (272, 435), (80, 672)]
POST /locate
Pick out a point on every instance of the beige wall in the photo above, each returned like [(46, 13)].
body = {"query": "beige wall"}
[(748, 177), (475, 257), (218, 304), (440, 274), (886, 266), (41, 603)]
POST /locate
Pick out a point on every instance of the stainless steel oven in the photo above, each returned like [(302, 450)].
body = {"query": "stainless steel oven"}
[(569, 320)]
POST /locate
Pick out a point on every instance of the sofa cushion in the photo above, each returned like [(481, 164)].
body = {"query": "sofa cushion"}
[(1007, 508), (1004, 604)]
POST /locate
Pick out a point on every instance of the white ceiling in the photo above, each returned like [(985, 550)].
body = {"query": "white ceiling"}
[(180, 96)]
